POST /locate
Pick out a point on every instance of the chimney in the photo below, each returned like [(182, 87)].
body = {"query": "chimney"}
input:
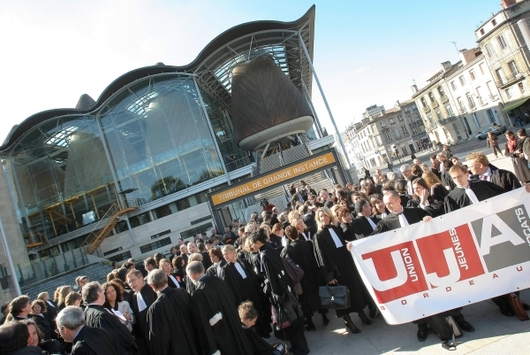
[(467, 56), (446, 66), (507, 3)]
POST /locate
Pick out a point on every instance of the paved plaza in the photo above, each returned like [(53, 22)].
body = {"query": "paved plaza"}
[(494, 334)]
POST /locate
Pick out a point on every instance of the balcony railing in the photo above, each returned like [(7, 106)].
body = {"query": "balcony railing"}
[(509, 80)]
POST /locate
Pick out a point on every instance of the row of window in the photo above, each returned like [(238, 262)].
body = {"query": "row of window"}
[(493, 23), (168, 209), (155, 245), (501, 43), (432, 98)]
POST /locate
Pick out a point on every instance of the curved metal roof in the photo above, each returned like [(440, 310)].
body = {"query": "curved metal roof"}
[(212, 67)]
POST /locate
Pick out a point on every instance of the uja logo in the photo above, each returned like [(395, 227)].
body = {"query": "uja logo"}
[(503, 240)]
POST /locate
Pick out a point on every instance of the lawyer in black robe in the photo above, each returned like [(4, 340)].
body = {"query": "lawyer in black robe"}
[(98, 317), (483, 190), (362, 227), (140, 328), (246, 287), (277, 288), (302, 254), (214, 316), (391, 222), (169, 319), (337, 266), (458, 198), (361, 224)]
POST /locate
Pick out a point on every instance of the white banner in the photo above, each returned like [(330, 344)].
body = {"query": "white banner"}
[(467, 256)]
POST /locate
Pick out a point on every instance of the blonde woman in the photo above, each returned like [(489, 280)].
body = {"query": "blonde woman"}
[(51, 307), (166, 266), (302, 229), (62, 293)]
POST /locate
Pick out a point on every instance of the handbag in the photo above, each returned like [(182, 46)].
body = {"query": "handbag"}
[(334, 296), (517, 306), (294, 271), (286, 313)]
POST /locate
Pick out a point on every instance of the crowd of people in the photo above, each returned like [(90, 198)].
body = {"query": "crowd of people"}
[(226, 293)]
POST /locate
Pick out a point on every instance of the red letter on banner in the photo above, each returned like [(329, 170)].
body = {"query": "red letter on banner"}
[(395, 272), (450, 256)]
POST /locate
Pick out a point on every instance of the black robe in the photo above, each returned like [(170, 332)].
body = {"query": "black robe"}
[(337, 263), (271, 267), (28, 350), (248, 289), (212, 270), (258, 344), (348, 231), (140, 328), (310, 222), (51, 310), (169, 320), (458, 198), (94, 341), (43, 324), (216, 320), (447, 180), (362, 228), (391, 222), (277, 285), (405, 198), (503, 178), (171, 284), (302, 253), (98, 317), (435, 207), (206, 261)]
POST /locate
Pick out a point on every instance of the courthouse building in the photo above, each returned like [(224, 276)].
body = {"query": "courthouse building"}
[(129, 174)]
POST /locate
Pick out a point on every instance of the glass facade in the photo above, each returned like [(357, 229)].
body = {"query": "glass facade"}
[(150, 139), (62, 178), (158, 138)]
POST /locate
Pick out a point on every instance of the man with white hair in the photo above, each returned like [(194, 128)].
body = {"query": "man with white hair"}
[(406, 171), (85, 340), (142, 299)]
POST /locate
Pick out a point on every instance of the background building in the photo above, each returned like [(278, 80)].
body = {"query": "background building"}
[(504, 39)]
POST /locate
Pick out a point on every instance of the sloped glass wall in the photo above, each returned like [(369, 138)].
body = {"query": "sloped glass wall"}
[(158, 138), (62, 177)]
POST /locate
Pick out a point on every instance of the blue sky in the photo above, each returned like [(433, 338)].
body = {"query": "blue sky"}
[(366, 52)]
